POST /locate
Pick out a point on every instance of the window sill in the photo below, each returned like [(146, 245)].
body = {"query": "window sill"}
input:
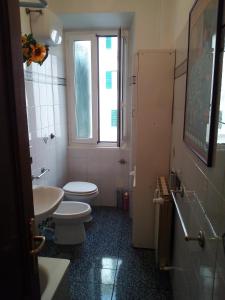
[(94, 146)]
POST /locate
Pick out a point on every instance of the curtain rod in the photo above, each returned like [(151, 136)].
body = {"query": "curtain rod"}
[(42, 4)]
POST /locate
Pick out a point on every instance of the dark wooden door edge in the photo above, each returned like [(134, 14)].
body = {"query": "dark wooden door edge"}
[(16, 203)]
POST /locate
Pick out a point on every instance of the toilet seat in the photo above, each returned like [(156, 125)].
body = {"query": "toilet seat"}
[(80, 188), (72, 210)]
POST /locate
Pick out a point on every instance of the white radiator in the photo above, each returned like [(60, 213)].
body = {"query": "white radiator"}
[(163, 222)]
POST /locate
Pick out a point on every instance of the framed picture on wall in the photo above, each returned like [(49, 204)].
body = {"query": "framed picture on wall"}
[(202, 66)]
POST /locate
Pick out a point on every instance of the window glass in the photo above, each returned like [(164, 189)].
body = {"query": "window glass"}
[(108, 42), (108, 79), (108, 93), (83, 88), (114, 117)]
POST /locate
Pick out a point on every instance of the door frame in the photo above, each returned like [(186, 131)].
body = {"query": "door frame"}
[(18, 267)]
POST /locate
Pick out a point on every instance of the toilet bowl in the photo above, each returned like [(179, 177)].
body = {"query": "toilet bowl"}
[(80, 191), (69, 221)]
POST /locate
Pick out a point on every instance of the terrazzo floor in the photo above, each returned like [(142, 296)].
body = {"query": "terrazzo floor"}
[(107, 267)]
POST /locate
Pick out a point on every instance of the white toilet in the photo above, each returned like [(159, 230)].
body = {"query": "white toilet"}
[(69, 221), (71, 214), (80, 191)]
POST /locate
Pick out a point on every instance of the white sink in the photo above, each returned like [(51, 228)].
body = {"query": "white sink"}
[(43, 276), (46, 200), (53, 278)]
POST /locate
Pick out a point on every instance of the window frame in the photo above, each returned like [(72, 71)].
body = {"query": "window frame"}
[(70, 37), (116, 143)]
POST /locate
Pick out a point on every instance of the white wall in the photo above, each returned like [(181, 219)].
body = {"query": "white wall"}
[(173, 21), (150, 31), (180, 16), (147, 32), (100, 166), (46, 113), (201, 274)]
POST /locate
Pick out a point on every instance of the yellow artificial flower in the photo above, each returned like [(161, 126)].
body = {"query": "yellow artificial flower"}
[(26, 52), (23, 39), (38, 53)]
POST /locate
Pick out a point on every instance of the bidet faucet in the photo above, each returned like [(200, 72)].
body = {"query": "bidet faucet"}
[(43, 171)]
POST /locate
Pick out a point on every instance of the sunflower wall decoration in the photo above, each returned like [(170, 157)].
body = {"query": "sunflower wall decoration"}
[(33, 51)]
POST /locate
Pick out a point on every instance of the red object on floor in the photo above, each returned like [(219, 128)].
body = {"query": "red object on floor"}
[(125, 201)]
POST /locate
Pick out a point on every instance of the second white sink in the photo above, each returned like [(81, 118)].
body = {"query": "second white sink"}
[(46, 200), (53, 277)]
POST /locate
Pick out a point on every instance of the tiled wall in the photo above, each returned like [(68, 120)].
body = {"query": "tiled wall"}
[(199, 272), (46, 112), (100, 166)]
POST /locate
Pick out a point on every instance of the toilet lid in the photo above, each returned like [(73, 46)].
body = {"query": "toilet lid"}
[(80, 187)]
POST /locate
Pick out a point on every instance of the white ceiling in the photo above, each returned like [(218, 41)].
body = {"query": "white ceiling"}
[(97, 20)]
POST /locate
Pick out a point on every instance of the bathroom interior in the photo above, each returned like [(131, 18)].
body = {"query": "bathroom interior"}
[(127, 204)]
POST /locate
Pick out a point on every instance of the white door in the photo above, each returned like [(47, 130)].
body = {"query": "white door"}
[(152, 137)]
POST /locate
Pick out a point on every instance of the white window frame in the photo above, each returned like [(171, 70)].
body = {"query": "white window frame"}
[(70, 37)]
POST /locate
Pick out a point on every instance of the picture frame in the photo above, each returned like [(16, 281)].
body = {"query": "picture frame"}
[(201, 81)]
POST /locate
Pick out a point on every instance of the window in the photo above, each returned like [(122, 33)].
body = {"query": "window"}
[(114, 118), (93, 90), (108, 89), (108, 78), (83, 94), (108, 42)]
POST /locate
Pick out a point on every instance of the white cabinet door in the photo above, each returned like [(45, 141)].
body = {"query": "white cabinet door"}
[(153, 113)]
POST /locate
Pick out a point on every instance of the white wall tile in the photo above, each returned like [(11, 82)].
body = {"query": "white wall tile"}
[(43, 93), (195, 274), (49, 95), (45, 119), (61, 91), (36, 94), (44, 116), (56, 114), (48, 65), (100, 166), (37, 119), (54, 65), (50, 115), (32, 115)]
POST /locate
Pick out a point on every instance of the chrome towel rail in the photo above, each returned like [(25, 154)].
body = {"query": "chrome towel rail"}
[(200, 237), (43, 171)]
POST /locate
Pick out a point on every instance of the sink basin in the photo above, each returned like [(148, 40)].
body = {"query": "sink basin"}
[(46, 200), (53, 277)]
